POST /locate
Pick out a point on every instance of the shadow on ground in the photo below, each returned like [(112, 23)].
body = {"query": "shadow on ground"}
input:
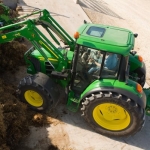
[(98, 6), (41, 140), (75, 119)]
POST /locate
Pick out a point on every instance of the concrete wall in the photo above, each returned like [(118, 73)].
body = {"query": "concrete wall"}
[(11, 3)]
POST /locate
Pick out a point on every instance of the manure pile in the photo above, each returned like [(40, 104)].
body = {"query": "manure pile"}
[(13, 120), (11, 56), (15, 117)]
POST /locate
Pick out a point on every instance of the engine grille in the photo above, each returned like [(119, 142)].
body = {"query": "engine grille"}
[(48, 68), (36, 63)]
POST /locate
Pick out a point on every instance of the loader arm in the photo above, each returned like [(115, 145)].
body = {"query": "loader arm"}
[(44, 19), (29, 30), (50, 24)]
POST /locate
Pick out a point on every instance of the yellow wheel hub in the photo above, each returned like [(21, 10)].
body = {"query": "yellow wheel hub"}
[(111, 116), (33, 98)]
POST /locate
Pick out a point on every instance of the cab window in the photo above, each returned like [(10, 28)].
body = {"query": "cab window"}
[(111, 65), (96, 31), (94, 64), (86, 68)]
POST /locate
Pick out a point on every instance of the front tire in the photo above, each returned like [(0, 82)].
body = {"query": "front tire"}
[(35, 95), (113, 114)]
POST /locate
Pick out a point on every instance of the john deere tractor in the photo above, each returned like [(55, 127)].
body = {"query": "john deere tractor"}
[(111, 97)]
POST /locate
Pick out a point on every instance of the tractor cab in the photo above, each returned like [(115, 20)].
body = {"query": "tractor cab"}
[(93, 64), (101, 53)]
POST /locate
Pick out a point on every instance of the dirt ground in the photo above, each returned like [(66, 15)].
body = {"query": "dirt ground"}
[(68, 130)]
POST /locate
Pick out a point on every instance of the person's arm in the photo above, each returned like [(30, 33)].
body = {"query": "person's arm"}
[(83, 57), (110, 61), (97, 64), (107, 62)]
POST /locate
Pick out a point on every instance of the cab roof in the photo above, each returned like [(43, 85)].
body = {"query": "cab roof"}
[(107, 38)]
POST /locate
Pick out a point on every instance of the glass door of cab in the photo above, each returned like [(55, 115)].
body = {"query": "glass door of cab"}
[(93, 64)]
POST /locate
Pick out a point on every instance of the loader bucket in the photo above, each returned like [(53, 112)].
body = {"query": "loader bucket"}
[(147, 92)]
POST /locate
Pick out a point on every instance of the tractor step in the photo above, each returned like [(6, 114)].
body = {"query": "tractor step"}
[(73, 102)]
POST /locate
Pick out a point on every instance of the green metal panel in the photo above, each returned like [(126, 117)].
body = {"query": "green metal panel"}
[(131, 86), (73, 102), (134, 62), (114, 39), (36, 54)]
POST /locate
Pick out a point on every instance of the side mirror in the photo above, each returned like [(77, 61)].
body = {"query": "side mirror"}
[(135, 35), (85, 22)]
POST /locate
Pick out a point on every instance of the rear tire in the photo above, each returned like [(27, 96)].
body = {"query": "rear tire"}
[(35, 95), (113, 114)]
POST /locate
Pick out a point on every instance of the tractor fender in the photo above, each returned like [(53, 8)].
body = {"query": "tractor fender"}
[(48, 84), (139, 100)]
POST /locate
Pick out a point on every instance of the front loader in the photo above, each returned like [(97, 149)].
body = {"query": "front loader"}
[(112, 100)]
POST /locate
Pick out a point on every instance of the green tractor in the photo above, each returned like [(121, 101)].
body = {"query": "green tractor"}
[(109, 93)]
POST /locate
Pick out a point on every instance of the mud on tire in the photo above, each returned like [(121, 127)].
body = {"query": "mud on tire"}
[(113, 114), (35, 95)]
